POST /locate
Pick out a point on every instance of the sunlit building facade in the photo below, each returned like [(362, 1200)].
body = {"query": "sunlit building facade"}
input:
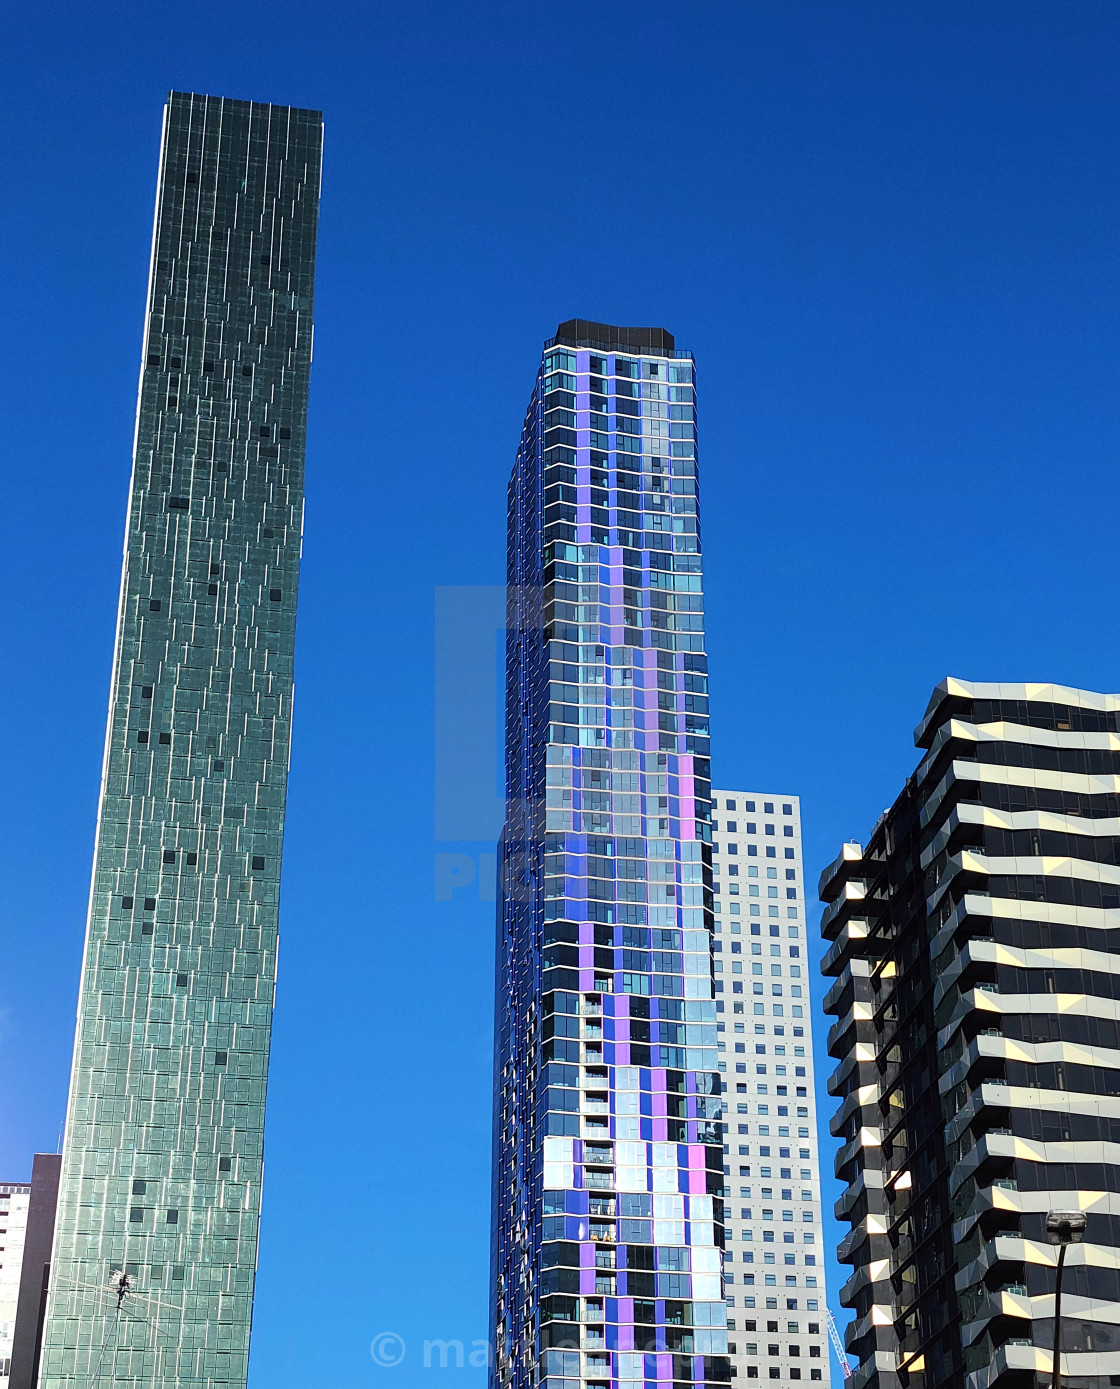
[(15, 1198), (774, 1255), (609, 1163)]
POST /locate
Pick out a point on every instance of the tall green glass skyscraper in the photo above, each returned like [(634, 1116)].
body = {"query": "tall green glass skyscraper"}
[(162, 1163)]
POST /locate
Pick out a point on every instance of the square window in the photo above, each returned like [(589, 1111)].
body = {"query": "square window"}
[(149, 904), (127, 903), (787, 809), (285, 433), (180, 981), (136, 1215), (208, 366), (177, 1272), (192, 860), (139, 1187), (258, 863), (221, 1058), (165, 739), (172, 1217), (176, 363), (145, 692), (212, 590), (265, 431), (154, 605), (246, 371), (169, 855), (153, 359), (275, 595), (225, 1164), (146, 929)]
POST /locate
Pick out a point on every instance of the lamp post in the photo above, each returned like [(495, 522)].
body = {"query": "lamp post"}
[(1063, 1228)]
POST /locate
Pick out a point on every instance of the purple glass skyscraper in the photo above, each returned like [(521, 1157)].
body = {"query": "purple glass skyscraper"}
[(609, 1157)]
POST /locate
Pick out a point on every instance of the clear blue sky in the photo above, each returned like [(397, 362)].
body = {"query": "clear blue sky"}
[(889, 233)]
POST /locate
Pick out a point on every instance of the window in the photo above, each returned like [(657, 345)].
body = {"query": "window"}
[(275, 595), (172, 1217), (177, 504), (136, 1215), (221, 1058), (285, 433), (149, 904), (139, 1187), (169, 855), (787, 809), (192, 860), (225, 1164), (165, 739), (180, 981), (127, 903), (787, 830), (154, 605), (145, 692), (258, 863), (246, 371)]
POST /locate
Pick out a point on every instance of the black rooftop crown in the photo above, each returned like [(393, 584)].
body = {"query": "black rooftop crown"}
[(582, 332)]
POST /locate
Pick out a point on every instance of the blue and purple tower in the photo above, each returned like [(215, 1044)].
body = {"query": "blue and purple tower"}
[(608, 1140)]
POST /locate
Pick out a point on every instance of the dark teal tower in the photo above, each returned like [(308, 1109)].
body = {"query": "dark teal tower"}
[(162, 1163)]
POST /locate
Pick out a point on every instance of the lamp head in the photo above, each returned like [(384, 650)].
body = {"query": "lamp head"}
[(1066, 1227)]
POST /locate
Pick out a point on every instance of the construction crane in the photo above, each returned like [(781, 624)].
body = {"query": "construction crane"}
[(837, 1344)]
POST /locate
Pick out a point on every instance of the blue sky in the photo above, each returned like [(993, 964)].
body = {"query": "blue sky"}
[(889, 233)]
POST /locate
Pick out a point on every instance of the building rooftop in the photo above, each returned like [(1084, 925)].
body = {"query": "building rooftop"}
[(582, 332)]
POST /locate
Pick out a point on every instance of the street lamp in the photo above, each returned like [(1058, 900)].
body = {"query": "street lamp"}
[(1063, 1228)]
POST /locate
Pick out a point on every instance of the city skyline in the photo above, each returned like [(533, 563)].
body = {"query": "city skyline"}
[(889, 311)]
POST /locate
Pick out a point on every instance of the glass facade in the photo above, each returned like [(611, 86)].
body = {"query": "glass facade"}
[(162, 1160), (609, 1161)]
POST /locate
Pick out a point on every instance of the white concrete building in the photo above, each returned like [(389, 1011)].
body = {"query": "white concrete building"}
[(14, 1199), (774, 1257)]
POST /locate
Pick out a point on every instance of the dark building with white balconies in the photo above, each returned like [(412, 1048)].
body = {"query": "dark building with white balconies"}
[(974, 941)]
